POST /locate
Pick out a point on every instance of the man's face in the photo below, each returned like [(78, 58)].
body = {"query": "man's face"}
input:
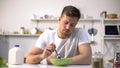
[(67, 24)]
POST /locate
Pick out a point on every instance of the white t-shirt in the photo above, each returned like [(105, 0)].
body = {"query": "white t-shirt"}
[(50, 36)]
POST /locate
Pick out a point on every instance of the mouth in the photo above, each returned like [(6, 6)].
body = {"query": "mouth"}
[(66, 30)]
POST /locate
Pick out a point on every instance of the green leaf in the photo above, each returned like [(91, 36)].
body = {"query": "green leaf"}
[(2, 62)]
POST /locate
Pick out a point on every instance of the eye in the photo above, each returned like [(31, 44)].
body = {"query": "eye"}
[(65, 22), (72, 25)]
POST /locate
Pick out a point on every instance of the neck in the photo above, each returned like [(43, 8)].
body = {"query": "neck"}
[(63, 36)]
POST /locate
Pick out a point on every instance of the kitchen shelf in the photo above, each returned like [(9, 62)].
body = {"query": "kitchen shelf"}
[(112, 37), (81, 20), (41, 20), (109, 20), (21, 35)]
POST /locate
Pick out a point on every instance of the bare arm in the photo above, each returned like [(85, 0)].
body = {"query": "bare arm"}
[(36, 54), (34, 57), (85, 55)]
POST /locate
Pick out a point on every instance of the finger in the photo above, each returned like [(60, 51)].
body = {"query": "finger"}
[(50, 49), (48, 52), (53, 44)]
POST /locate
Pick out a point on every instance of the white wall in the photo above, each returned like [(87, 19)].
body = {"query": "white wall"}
[(17, 13)]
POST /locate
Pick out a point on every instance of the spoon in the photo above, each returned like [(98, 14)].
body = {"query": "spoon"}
[(58, 55)]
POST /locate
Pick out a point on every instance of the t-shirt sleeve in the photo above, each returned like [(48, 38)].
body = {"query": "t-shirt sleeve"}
[(83, 38), (41, 41), (45, 38)]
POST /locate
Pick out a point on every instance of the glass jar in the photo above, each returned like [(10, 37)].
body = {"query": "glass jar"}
[(97, 60)]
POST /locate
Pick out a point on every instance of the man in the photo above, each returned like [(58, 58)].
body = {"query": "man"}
[(70, 42)]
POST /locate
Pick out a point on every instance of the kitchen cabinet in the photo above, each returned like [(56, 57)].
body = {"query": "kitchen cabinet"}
[(111, 37)]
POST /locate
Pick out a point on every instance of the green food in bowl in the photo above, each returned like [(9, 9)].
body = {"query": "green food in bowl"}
[(60, 62)]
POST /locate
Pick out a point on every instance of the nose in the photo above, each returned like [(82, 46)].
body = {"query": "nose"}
[(67, 26)]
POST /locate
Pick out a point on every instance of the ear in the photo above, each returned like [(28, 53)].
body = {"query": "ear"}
[(59, 19)]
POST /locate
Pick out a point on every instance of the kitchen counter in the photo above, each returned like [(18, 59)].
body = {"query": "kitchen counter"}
[(48, 66)]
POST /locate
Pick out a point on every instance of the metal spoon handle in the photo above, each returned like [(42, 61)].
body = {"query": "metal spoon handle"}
[(56, 52), (58, 56)]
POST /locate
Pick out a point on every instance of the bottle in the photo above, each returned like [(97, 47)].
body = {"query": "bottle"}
[(97, 60), (22, 29), (16, 55)]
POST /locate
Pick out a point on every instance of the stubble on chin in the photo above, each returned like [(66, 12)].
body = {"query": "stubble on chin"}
[(66, 33)]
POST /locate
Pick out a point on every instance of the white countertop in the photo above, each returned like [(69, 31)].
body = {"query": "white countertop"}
[(48, 66)]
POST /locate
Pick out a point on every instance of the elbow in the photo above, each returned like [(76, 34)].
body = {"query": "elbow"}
[(88, 60), (29, 61)]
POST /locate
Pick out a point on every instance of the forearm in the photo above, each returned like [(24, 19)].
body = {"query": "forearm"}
[(84, 56), (81, 59), (34, 59)]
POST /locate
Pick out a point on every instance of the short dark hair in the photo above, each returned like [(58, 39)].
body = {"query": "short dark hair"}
[(71, 11)]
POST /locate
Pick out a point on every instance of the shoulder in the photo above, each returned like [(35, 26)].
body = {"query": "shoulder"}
[(81, 33), (49, 32), (80, 30)]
